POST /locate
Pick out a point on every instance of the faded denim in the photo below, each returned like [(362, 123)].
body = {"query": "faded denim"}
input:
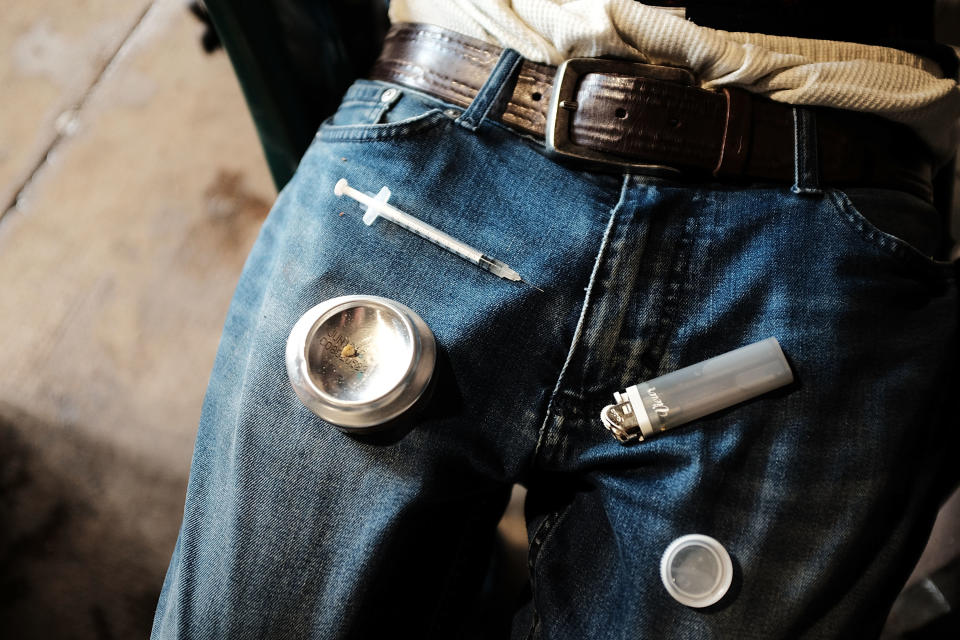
[(823, 492)]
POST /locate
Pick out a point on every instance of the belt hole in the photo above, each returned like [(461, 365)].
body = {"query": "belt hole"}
[(537, 96), (620, 113)]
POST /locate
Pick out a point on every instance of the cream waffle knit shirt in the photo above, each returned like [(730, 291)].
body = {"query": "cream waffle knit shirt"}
[(887, 82)]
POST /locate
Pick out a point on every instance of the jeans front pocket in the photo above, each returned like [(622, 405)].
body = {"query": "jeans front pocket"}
[(898, 224), (381, 111)]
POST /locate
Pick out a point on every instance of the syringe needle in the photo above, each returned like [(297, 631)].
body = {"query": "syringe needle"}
[(377, 206), (531, 285), (496, 267)]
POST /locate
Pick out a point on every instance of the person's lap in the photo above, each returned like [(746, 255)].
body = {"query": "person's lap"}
[(822, 491)]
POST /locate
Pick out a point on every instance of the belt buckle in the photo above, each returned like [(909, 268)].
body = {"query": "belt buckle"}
[(563, 104)]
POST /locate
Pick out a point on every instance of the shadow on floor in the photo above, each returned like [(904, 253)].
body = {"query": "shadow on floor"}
[(84, 534)]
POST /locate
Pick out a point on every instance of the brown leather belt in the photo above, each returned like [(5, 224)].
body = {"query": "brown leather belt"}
[(636, 117)]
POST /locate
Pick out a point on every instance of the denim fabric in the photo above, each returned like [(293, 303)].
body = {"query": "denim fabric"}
[(823, 492)]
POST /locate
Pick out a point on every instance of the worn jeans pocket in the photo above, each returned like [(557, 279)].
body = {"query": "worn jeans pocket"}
[(899, 224), (381, 111)]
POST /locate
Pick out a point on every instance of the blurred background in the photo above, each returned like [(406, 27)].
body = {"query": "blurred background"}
[(132, 185)]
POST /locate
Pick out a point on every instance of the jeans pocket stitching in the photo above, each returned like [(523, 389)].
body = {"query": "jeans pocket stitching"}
[(389, 131), (542, 535), (537, 542), (882, 241)]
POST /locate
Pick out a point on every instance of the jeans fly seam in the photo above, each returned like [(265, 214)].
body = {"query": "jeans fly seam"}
[(538, 540), (542, 533), (674, 286), (581, 322)]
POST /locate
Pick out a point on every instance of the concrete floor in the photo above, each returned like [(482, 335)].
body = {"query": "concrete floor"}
[(131, 188), (132, 185)]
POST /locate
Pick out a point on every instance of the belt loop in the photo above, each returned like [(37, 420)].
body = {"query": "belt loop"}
[(806, 162), (494, 92)]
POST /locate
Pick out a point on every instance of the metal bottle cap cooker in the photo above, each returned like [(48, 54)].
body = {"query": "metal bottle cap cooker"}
[(359, 362)]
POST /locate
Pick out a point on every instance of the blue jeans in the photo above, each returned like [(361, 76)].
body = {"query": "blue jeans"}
[(823, 492)]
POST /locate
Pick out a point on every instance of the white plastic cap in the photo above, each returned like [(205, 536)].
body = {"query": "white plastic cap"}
[(696, 570)]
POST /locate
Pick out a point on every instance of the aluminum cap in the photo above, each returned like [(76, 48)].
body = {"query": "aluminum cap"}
[(360, 361)]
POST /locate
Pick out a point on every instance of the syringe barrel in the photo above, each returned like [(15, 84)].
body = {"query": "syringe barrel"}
[(430, 233)]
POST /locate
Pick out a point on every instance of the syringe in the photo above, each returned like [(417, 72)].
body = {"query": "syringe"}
[(377, 206)]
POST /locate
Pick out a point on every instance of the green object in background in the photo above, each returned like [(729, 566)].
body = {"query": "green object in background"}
[(294, 60)]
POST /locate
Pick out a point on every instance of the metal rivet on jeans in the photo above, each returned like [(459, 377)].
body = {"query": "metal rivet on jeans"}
[(388, 95)]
